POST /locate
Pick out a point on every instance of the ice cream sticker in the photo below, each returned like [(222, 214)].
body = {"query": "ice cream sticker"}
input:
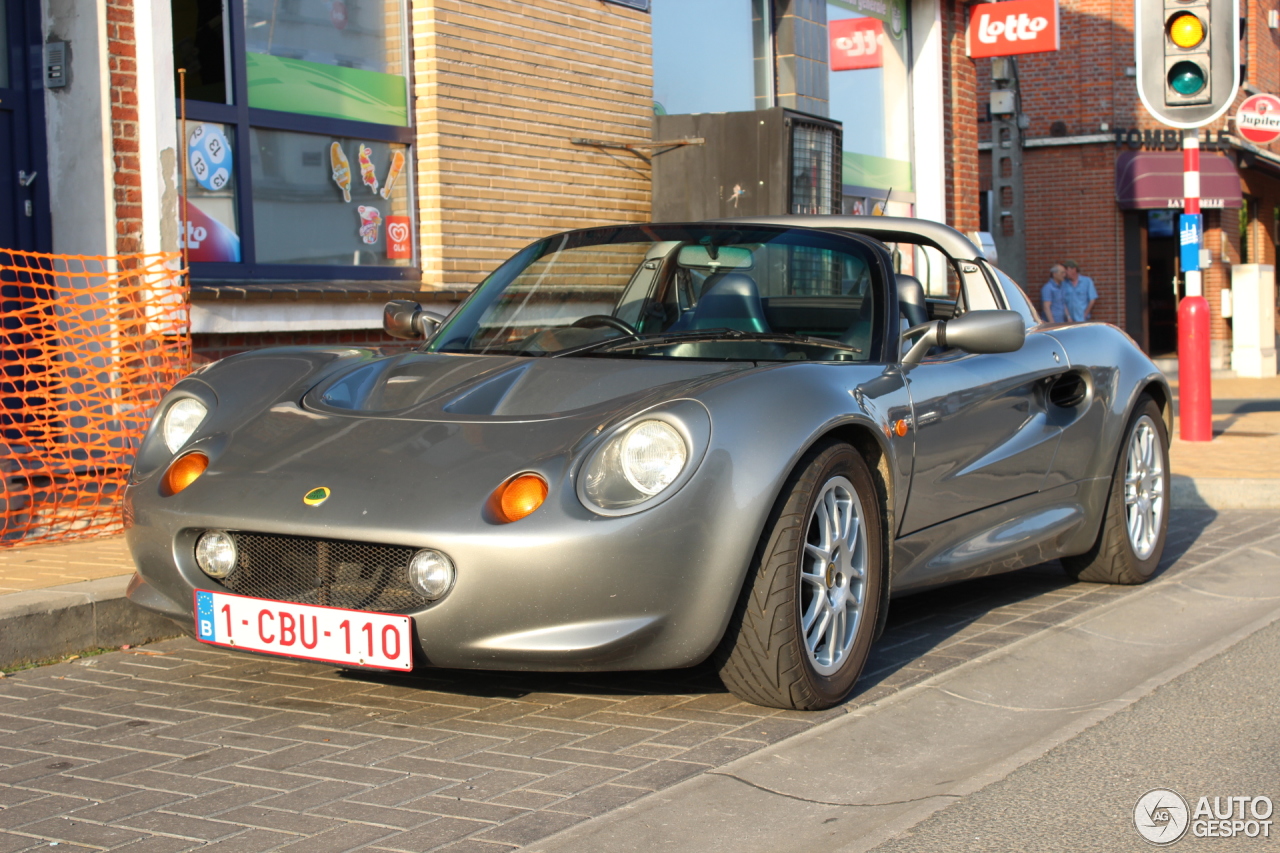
[(341, 171), (367, 173), (370, 219), (393, 174), (398, 238)]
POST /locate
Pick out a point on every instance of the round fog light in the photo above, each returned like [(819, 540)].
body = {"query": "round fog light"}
[(431, 574), (216, 553)]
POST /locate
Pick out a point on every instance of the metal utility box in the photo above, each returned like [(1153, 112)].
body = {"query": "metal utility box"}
[(758, 163)]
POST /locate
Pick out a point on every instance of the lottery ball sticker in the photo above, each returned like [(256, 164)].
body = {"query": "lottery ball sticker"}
[(209, 156)]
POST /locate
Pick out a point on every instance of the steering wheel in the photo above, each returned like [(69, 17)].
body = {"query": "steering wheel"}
[(595, 321)]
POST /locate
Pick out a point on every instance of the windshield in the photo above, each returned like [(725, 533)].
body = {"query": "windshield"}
[(706, 292)]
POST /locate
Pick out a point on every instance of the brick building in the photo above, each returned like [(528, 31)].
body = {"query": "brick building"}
[(301, 136), (1102, 178)]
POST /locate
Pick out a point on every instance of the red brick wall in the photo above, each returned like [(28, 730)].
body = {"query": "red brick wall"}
[(960, 120), (1070, 190), (1072, 215), (213, 347), (127, 177)]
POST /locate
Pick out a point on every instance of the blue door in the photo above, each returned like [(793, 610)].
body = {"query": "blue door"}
[(24, 196), (24, 215)]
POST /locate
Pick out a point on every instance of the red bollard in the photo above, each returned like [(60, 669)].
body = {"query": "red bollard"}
[(1195, 394)]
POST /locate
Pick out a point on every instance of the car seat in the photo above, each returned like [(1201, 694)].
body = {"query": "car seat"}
[(911, 299), (730, 300), (858, 335)]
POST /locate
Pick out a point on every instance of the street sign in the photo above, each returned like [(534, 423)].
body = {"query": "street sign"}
[(1258, 119), (1190, 232), (1012, 28)]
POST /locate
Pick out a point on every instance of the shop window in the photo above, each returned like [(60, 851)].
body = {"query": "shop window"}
[(326, 200), (870, 95), (296, 138), (712, 56), (340, 60), (200, 46)]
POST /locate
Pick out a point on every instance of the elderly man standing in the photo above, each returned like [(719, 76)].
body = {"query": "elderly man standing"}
[(1052, 300), (1080, 294)]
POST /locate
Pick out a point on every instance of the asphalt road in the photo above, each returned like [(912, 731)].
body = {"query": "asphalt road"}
[(1212, 732)]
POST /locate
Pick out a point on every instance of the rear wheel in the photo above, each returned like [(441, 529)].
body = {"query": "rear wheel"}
[(806, 619), (1137, 516)]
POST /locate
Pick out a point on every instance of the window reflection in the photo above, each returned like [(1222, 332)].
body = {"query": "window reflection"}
[(871, 40)]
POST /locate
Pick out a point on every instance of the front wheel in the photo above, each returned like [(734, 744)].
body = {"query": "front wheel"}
[(807, 615), (1136, 519)]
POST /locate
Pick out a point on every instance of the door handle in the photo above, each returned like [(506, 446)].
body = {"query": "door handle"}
[(25, 178)]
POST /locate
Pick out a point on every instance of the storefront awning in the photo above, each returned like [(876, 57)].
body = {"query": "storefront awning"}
[(1153, 180)]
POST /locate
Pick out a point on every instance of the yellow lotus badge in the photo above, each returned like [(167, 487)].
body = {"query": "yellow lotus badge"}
[(316, 496)]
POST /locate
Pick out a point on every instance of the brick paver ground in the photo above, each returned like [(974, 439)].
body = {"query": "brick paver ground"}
[(183, 746), (42, 566)]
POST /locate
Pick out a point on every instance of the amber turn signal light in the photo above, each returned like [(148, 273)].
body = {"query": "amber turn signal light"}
[(184, 471), (518, 497)]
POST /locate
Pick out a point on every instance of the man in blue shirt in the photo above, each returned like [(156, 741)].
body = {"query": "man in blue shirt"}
[(1052, 301), (1079, 293)]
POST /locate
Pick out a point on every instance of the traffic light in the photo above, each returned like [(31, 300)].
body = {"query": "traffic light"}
[(1188, 58)]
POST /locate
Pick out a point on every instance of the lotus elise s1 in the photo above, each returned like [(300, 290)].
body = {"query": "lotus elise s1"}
[(647, 446)]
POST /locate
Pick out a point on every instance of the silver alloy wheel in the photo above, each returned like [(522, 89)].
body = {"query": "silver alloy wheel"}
[(833, 575), (1144, 487)]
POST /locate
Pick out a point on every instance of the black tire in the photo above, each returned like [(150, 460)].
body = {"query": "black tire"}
[(764, 657), (1113, 558)]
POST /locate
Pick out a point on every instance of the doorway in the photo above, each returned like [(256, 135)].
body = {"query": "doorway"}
[(1163, 268), (24, 198), (1151, 268)]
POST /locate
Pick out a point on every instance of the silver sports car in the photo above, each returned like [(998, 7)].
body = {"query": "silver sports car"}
[(643, 446)]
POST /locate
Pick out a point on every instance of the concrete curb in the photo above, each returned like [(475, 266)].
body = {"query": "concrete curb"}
[(61, 620), (1225, 493)]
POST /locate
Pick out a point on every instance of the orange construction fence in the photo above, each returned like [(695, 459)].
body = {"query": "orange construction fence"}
[(88, 347)]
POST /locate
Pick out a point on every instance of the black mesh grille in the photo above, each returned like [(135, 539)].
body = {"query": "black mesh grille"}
[(330, 572)]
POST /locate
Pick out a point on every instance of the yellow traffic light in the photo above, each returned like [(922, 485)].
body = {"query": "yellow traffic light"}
[(1186, 30)]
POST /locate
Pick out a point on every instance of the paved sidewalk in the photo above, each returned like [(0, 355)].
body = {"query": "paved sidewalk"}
[(43, 566), (1246, 426), (179, 744)]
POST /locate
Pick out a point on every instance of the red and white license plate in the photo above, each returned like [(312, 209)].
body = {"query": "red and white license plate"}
[(348, 637)]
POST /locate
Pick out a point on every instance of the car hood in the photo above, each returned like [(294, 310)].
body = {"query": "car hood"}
[(396, 437), (440, 387)]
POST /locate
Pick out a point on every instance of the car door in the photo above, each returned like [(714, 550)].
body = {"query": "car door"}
[(983, 432)]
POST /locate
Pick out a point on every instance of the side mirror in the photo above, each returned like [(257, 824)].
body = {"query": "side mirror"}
[(404, 318), (974, 331)]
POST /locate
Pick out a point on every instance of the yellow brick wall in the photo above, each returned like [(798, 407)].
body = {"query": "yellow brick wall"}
[(500, 87)]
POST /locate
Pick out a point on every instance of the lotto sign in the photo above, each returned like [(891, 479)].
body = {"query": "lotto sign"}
[(398, 233), (856, 43), (1012, 28), (209, 156), (1258, 119)]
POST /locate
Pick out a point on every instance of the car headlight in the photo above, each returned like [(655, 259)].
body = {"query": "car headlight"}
[(181, 421), (645, 461), (431, 573), (216, 553)]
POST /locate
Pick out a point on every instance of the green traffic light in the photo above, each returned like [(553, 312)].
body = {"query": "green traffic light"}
[(1186, 78)]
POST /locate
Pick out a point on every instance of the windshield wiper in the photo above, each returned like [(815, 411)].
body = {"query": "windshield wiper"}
[(660, 338)]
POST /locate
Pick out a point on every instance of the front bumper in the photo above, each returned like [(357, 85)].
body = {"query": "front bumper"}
[(562, 589)]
